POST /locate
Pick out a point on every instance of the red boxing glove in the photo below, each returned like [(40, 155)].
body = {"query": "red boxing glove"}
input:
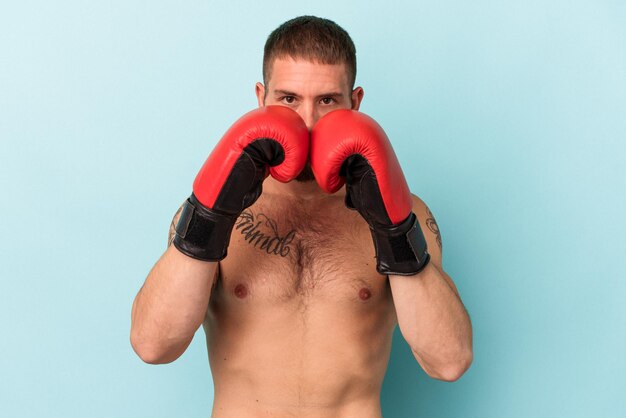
[(350, 147), (269, 140)]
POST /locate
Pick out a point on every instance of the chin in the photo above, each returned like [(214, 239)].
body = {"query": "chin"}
[(306, 174)]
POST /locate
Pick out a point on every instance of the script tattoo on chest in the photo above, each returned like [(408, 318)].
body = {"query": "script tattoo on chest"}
[(262, 233)]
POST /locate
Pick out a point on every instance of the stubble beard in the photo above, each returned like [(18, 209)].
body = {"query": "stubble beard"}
[(306, 174)]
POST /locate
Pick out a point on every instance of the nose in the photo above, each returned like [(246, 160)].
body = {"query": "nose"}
[(310, 115)]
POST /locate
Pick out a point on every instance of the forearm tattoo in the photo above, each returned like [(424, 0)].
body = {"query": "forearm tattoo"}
[(173, 226), (271, 242), (431, 223)]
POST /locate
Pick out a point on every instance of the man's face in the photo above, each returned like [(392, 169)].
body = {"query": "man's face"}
[(309, 88)]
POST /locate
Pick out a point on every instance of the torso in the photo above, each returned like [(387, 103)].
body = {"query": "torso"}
[(299, 322)]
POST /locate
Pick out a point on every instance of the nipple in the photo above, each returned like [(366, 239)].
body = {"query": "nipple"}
[(241, 291), (365, 294)]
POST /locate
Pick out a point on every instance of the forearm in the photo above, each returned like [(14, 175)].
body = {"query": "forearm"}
[(434, 322), (170, 306)]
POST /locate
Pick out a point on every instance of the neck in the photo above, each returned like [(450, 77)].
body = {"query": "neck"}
[(300, 190)]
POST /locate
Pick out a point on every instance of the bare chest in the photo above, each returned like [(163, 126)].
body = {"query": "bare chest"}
[(281, 253)]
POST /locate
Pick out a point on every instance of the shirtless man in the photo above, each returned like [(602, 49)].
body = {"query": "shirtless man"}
[(298, 317)]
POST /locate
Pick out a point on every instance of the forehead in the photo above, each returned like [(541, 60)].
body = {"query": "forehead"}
[(297, 74)]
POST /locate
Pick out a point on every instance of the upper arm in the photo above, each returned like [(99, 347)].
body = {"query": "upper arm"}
[(432, 234)]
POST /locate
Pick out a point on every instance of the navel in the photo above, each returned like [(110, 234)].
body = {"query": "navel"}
[(241, 291), (365, 293)]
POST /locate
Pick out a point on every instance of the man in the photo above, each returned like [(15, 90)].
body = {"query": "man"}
[(298, 294)]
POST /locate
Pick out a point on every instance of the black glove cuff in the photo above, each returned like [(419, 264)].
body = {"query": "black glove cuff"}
[(400, 249), (203, 233)]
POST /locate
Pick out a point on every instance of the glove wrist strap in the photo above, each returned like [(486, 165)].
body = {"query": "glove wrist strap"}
[(202, 233), (400, 249)]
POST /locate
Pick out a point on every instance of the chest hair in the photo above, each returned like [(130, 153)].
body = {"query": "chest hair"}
[(316, 245)]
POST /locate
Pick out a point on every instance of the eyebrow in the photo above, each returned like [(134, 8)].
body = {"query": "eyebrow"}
[(290, 93)]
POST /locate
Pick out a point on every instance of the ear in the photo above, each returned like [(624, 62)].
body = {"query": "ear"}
[(260, 94), (357, 96)]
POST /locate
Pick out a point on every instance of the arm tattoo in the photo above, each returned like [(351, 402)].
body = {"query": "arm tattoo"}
[(431, 223), (173, 225)]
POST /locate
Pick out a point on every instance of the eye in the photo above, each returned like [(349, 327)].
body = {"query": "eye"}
[(288, 99), (327, 100)]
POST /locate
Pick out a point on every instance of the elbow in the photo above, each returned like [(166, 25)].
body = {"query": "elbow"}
[(452, 371), (150, 356), (447, 371), (154, 353), (148, 353)]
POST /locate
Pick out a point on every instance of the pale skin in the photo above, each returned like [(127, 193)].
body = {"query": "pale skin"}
[(302, 328)]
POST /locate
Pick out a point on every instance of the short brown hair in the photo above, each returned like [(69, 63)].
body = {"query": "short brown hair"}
[(314, 39)]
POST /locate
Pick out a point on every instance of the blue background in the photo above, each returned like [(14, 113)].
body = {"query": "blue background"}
[(509, 120)]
